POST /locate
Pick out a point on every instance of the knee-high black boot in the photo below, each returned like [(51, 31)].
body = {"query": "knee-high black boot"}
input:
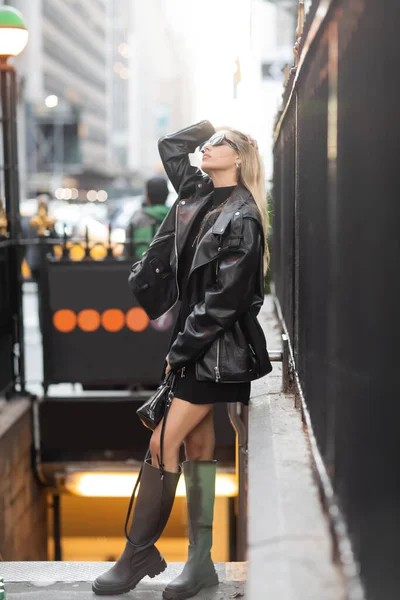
[(153, 507), (199, 571)]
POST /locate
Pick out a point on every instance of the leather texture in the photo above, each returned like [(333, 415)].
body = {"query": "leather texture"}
[(152, 509), (130, 568), (226, 277), (199, 570), (153, 410), (153, 504)]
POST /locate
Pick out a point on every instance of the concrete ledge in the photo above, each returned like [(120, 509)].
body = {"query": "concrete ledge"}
[(11, 412), (290, 552), (70, 580)]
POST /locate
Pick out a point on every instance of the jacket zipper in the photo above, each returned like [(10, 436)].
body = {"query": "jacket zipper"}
[(176, 254), (216, 368)]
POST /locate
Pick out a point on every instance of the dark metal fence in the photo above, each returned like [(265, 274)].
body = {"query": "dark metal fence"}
[(336, 263), (11, 330), (6, 322)]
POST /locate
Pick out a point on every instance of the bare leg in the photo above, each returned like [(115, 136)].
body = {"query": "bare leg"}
[(200, 442), (182, 418)]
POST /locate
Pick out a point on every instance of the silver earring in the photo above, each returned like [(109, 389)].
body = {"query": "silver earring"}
[(237, 165)]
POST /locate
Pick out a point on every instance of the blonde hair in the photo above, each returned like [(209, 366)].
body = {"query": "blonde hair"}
[(251, 176)]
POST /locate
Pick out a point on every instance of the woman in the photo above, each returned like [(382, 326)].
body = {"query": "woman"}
[(208, 253)]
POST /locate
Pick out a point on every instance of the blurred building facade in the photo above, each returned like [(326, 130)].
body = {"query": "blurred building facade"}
[(65, 92), (103, 80), (238, 50), (100, 82), (273, 26), (120, 26), (161, 83)]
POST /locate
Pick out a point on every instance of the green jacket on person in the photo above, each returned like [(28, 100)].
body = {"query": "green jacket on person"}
[(145, 222)]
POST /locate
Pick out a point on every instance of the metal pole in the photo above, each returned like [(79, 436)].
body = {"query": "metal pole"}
[(57, 527), (285, 364), (234, 412), (8, 87)]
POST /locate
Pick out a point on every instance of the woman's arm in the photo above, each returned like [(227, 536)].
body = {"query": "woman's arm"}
[(224, 302), (174, 150)]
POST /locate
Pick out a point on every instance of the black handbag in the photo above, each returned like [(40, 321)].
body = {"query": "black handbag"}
[(153, 410)]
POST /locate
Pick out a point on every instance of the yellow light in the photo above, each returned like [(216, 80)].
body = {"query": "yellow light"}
[(120, 485), (77, 253)]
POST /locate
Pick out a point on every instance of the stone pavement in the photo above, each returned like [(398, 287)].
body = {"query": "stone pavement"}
[(72, 581), (290, 549)]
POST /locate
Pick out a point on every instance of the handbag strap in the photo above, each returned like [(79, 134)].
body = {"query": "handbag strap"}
[(161, 467), (132, 499), (160, 458)]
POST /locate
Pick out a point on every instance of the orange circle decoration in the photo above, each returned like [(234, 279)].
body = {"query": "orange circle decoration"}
[(113, 319), (136, 319), (89, 320), (64, 320)]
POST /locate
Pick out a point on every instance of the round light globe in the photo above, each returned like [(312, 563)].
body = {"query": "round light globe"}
[(13, 34)]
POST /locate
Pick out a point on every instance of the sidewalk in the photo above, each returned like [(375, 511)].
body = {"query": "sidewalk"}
[(289, 542), (72, 581)]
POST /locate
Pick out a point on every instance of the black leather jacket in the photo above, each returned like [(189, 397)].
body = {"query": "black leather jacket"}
[(226, 277)]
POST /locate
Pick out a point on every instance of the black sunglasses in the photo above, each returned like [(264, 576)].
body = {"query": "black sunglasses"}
[(218, 140)]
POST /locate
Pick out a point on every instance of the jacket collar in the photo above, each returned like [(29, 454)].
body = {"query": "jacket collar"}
[(209, 246), (239, 197)]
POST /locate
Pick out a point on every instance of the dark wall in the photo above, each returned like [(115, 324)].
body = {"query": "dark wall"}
[(23, 504)]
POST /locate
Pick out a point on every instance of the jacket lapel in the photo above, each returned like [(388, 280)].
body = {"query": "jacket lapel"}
[(239, 197), (209, 246), (186, 212)]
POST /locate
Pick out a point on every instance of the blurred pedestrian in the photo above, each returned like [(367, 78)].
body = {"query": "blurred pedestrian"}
[(148, 219), (210, 253), (33, 228)]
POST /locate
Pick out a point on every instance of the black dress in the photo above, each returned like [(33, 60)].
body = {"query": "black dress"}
[(188, 388)]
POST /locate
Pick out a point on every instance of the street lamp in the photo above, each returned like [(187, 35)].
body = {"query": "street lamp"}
[(13, 34), (13, 39)]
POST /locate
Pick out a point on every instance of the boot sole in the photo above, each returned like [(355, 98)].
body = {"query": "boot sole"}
[(151, 571), (210, 581)]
